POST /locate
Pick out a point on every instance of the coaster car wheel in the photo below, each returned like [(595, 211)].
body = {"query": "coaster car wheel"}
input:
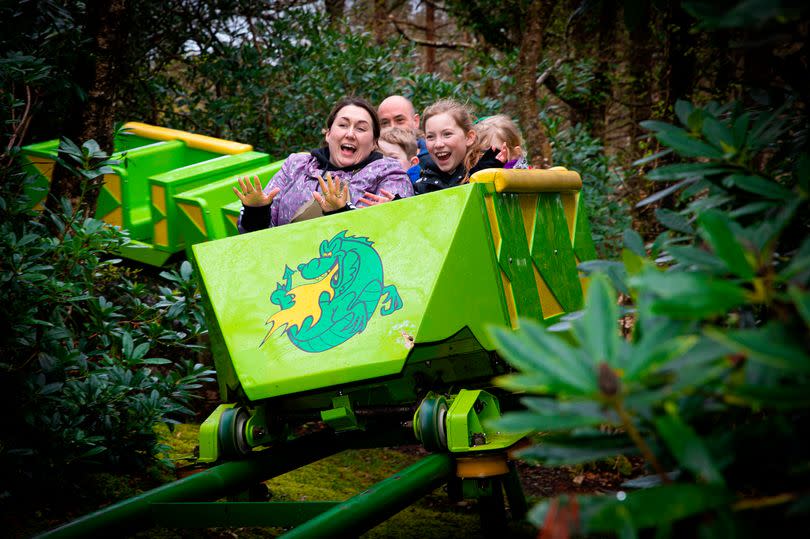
[(232, 433), (430, 426)]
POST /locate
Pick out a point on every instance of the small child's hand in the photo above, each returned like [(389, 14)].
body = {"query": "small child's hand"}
[(503, 153), (371, 199)]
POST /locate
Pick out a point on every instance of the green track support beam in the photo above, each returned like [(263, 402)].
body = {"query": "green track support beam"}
[(225, 479), (236, 514), (376, 504)]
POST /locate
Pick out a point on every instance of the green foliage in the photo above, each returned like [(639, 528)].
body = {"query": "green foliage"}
[(85, 378), (41, 77), (265, 86), (718, 357)]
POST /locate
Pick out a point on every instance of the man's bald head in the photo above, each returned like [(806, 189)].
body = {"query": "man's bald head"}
[(398, 111)]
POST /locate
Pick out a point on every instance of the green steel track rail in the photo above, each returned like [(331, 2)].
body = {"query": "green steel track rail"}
[(188, 502)]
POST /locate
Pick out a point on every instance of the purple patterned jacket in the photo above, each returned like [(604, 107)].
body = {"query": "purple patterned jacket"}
[(297, 179)]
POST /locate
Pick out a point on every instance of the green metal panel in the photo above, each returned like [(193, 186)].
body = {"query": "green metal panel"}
[(163, 188), (467, 290), (230, 216), (515, 257), (200, 217), (132, 191), (37, 160), (583, 241), (440, 266), (553, 254), (468, 421)]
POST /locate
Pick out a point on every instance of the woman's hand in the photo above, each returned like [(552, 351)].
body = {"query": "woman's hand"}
[(372, 200), (333, 197), (251, 194)]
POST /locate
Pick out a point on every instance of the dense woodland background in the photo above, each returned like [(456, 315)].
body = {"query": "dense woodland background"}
[(709, 100)]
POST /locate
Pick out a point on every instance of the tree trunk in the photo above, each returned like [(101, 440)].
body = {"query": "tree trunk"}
[(527, 89), (682, 61), (640, 65), (106, 26), (334, 10), (430, 35), (380, 15), (605, 66)]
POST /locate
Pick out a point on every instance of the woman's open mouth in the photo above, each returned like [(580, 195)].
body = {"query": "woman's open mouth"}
[(348, 150)]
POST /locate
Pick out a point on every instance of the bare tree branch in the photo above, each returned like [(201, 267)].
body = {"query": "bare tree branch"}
[(545, 74), (427, 43)]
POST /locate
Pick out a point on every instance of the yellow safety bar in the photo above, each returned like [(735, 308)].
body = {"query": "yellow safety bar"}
[(200, 142), (514, 180)]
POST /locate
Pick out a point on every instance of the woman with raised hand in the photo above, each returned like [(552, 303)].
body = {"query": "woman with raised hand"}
[(345, 173)]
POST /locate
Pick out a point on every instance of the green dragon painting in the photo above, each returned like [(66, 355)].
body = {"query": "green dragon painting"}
[(343, 289)]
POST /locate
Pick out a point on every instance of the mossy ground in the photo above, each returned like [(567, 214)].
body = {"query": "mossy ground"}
[(335, 478)]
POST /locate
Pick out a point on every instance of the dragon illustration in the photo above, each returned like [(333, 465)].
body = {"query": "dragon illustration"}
[(343, 289)]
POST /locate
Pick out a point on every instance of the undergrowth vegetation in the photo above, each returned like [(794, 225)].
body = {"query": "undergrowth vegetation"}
[(93, 356), (711, 388)]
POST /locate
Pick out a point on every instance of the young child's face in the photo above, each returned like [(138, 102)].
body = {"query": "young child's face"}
[(446, 141), (396, 152)]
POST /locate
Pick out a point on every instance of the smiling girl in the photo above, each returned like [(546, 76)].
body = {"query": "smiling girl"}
[(451, 143)]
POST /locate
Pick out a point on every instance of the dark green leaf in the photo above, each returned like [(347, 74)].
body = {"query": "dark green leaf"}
[(651, 507), (689, 295), (779, 397), (673, 220), (683, 109), (719, 135), (598, 330), (716, 229), (801, 299), (658, 195), (759, 186), (692, 256), (771, 345), (682, 171), (633, 241), (688, 448)]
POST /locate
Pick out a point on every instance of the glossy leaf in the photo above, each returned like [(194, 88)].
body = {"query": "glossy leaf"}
[(686, 145), (771, 345), (633, 241), (683, 171), (698, 258), (759, 186), (688, 448), (663, 193), (522, 421), (673, 220), (689, 295), (598, 330), (651, 507), (546, 353), (559, 455), (801, 299), (653, 352), (780, 397), (716, 230)]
